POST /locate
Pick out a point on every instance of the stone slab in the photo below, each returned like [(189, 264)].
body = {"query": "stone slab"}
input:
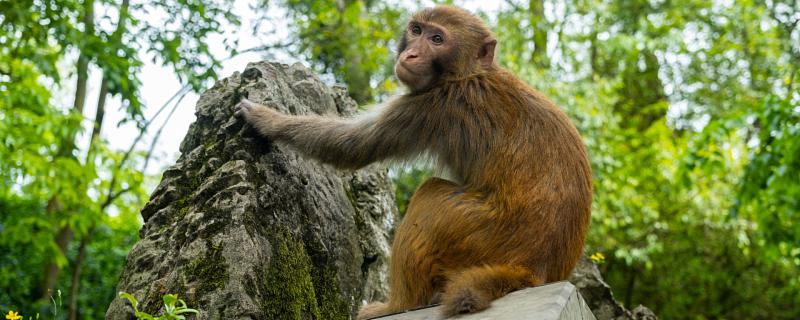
[(554, 301)]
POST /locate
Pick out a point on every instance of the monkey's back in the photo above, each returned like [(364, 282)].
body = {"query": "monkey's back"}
[(522, 153)]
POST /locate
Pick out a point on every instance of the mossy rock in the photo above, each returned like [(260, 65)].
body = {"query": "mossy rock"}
[(240, 227)]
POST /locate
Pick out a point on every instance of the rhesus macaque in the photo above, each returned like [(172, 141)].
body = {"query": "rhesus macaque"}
[(517, 210)]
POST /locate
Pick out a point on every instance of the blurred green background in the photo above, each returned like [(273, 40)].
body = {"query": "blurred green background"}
[(690, 110)]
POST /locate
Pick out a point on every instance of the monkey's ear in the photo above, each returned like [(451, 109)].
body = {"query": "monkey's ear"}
[(486, 53)]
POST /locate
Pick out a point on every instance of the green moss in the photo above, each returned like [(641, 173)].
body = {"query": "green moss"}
[(348, 191), (288, 288), (331, 304), (210, 270), (183, 203), (326, 284), (295, 289), (209, 144), (181, 213), (152, 303)]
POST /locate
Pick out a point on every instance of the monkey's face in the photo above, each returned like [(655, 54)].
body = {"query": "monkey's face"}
[(441, 43), (422, 50)]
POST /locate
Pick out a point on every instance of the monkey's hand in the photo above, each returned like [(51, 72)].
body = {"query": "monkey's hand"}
[(267, 121)]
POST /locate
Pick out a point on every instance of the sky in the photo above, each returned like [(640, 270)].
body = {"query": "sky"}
[(159, 83)]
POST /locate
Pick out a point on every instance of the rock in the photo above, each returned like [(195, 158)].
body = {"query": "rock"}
[(598, 296), (242, 228), (554, 301)]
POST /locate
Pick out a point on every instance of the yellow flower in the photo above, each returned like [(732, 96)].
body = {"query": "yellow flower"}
[(598, 257), (13, 315)]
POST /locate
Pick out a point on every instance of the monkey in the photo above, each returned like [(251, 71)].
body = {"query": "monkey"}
[(516, 211)]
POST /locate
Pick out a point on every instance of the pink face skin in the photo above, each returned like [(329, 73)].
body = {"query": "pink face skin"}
[(425, 43)]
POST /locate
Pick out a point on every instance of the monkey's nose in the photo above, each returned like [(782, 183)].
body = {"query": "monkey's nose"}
[(410, 56)]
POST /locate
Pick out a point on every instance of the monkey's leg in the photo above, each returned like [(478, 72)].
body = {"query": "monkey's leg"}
[(442, 232), (412, 265), (448, 243), (416, 273), (416, 269), (475, 288)]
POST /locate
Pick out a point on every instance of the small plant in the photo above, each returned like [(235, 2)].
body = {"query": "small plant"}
[(14, 315), (171, 311), (56, 304)]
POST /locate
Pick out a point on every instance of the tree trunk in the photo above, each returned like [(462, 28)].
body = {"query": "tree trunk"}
[(83, 59), (75, 281), (101, 111), (240, 227), (52, 270), (76, 275), (65, 233), (96, 129), (540, 30)]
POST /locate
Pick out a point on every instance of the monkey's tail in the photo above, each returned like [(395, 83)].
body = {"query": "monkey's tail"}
[(372, 310), (475, 288)]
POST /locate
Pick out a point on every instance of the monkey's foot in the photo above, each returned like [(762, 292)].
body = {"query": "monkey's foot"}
[(372, 310), (464, 300)]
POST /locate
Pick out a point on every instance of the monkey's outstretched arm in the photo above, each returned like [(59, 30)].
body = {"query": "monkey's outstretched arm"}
[(341, 142)]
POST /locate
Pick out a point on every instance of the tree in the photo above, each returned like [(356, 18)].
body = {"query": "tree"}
[(350, 39), (55, 192)]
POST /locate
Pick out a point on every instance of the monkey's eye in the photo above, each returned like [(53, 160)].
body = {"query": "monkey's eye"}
[(437, 39), (415, 29)]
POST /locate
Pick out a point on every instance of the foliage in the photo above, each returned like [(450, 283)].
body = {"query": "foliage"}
[(680, 180), (65, 210), (406, 180), (350, 39), (106, 254), (770, 179), (171, 310), (56, 303), (689, 110)]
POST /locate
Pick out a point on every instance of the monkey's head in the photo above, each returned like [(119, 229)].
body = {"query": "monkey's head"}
[(441, 43)]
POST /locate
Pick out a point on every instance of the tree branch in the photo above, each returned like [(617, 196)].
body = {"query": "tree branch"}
[(149, 154)]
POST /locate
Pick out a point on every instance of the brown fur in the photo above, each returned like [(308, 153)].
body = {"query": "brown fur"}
[(517, 215)]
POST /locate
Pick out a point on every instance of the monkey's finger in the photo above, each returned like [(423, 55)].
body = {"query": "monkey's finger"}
[(242, 108), (245, 103)]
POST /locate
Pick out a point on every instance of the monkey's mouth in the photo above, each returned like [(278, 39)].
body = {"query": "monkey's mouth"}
[(407, 69), (405, 74)]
